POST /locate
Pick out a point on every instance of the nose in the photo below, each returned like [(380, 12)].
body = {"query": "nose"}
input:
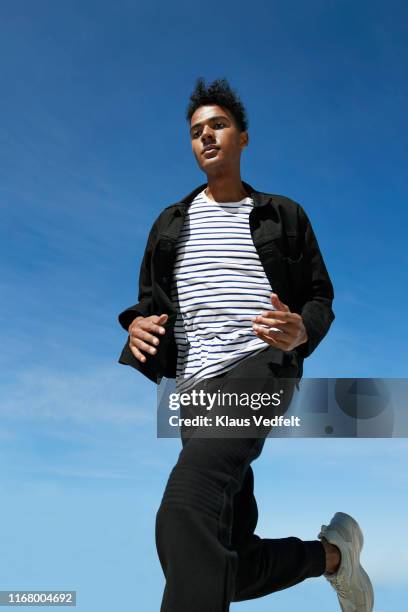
[(207, 133)]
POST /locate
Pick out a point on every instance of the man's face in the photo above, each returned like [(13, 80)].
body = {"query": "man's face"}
[(213, 125)]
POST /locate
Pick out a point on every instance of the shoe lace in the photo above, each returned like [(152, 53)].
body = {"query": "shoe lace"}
[(340, 585)]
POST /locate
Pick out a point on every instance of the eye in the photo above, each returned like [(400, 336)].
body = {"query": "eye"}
[(197, 132)]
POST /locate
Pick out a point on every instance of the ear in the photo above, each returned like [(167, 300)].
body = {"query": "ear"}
[(244, 139)]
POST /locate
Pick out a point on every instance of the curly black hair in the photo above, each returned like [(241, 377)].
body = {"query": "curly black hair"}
[(220, 93)]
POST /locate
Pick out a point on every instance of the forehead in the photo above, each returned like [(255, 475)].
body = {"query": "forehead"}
[(206, 112)]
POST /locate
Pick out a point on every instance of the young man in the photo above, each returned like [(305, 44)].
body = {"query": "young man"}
[(233, 292)]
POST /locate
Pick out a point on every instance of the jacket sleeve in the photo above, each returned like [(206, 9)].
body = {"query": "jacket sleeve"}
[(144, 306), (317, 313)]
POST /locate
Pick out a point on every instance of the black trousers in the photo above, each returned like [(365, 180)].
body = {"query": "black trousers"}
[(206, 521)]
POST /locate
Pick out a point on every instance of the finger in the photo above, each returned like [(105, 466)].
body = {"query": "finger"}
[(266, 328), (268, 321), (152, 327), (274, 333), (276, 302), (283, 341), (138, 332), (136, 353), (142, 346), (159, 318), (278, 337), (279, 314), (272, 341), (288, 327), (283, 335)]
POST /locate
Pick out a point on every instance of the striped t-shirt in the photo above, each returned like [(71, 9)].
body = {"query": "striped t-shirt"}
[(218, 285)]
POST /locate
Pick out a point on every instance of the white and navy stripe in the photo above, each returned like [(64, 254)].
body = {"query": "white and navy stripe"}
[(218, 285)]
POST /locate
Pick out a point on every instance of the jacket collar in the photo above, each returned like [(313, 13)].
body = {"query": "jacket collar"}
[(259, 198)]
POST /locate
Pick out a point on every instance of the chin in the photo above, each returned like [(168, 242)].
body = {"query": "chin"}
[(212, 162)]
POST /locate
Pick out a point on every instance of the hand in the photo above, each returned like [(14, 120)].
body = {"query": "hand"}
[(143, 335), (284, 329)]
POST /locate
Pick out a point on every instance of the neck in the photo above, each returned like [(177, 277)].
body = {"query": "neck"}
[(225, 188)]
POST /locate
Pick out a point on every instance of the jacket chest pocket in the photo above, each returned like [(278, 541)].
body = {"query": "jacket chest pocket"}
[(285, 257), (288, 246)]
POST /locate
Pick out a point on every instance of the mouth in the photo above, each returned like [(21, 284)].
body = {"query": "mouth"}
[(210, 149)]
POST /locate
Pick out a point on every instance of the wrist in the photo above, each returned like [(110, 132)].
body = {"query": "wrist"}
[(304, 337)]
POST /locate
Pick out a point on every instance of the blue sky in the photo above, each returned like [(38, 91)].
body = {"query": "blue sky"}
[(93, 144)]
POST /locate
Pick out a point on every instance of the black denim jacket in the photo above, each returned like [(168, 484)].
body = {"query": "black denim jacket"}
[(290, 255)]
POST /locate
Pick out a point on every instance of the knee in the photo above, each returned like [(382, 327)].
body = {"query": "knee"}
[(163, 525), (192, 489), (176, 527)]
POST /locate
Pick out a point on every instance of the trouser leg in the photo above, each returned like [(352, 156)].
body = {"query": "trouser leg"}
[(205, 526), (268, 565), (193, 524)]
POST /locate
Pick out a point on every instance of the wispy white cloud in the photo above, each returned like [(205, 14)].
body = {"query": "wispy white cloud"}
[(85, 473), (337, 448), (89, 395)]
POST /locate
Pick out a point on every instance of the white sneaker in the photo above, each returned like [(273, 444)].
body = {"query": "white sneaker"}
[(353, 586)]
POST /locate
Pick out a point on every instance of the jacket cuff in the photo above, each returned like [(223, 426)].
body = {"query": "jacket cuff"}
[(142, 309), (317, 318), (306, 348)]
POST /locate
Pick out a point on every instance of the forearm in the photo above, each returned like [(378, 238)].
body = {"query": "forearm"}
[(144, 307), (316, 311)]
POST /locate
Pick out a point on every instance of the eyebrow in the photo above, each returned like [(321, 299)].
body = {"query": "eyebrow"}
[(211, 119)]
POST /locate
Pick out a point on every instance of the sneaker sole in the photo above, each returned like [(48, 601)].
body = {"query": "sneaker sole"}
[(344, 525)]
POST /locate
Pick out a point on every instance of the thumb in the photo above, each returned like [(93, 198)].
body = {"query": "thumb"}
[(275, 301), (163, 317)]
